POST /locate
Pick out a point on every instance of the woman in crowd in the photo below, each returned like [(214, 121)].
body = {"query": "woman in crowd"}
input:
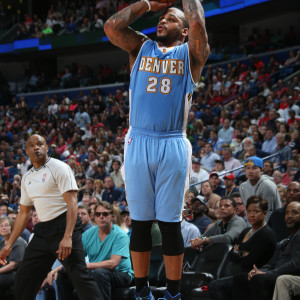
[(8, 272), (118, 218), (98, 188), (255, 245), (282, 191)]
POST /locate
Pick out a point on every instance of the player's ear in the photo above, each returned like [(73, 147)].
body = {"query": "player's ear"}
[(185, 32)]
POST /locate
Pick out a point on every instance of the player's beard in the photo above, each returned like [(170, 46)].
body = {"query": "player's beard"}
[(162, 38)]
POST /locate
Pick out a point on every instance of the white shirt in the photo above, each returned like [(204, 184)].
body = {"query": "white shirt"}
[(44, 187), (24, 167), (197, 177)]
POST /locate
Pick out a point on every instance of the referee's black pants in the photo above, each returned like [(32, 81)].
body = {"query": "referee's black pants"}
[(40, 256)]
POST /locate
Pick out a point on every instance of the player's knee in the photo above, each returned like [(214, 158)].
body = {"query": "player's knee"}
[(140, 239), (172, 241)]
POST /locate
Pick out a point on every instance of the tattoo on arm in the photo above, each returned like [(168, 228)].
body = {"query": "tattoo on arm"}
[(197, 33), (118, 30)]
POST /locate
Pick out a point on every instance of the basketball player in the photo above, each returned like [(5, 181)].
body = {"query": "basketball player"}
[(51, 187), (157, 153)]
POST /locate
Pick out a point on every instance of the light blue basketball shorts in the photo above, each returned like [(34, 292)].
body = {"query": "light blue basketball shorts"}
[(156, 173)]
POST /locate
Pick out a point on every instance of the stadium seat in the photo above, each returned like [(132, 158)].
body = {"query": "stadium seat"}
[(205, 268)]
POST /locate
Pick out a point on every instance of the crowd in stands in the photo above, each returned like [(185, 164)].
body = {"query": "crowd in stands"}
[(68, 17), (239, 115), (74, 76)]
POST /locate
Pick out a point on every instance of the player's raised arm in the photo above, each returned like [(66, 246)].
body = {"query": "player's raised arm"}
[(120, 34), (198, 41)]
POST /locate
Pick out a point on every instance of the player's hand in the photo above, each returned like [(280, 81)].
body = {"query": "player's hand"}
[(158, 6), (65, 248), (4, 252)]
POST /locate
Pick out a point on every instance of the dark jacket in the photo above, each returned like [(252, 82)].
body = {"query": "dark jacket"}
[(286, 259)]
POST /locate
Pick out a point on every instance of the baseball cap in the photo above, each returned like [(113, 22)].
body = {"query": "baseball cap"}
[(213, 173), (254, 161), (196, 160), (198, 198), (229, 176)]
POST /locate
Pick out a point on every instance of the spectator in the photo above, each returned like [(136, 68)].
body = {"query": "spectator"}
[(230, 162), (110, 193), (8, 272), (97, 23), (47, 30), (99, 171), (270, 141), (277, 221), (219, 168), (127, 220), (98, 188), (216, 184), (82, 118), (230, 187), (277, 178), (25, 163), (259, 185), (93, 161), (198, 212), (189, 231), (84, 213), (86, 198), (268, 168), (118, 218), (272, 121), (282, 193), (285, 176), (215, 141), (210, 199), (198, 174), (209, 157), (260, 283), (253, 246), (283, 150), (286, 287), (53, 108), (240, 207), (226, 133), (224, 231), (71, 26), (116, 174), (12, 214)]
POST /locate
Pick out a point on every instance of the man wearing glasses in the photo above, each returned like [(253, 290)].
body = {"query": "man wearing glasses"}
[(107, 248)]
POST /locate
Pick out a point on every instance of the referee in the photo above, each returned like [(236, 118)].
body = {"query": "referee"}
[(50, 186)]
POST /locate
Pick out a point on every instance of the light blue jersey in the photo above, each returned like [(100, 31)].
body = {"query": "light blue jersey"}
[(161, 88), (157, 153)]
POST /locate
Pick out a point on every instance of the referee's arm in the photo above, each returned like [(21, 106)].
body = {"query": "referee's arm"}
[(65, 245)]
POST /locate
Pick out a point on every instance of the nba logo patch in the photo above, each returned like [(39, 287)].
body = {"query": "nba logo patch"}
[(129, 141), (44, 178)]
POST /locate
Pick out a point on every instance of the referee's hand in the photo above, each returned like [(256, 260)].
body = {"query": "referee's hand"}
[(65, 248), (4, 253)]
